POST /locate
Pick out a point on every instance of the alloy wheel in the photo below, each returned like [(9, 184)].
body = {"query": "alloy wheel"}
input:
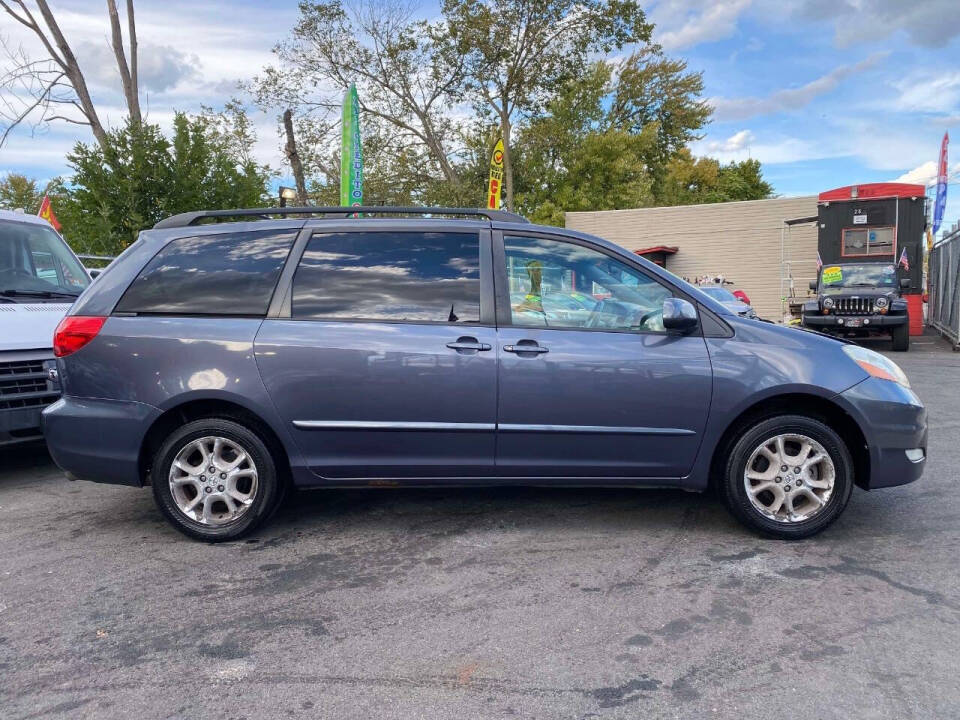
[(213, 480), (789, 478)]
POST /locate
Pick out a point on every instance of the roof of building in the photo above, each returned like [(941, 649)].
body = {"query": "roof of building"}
[(872, 191), (666, 249)]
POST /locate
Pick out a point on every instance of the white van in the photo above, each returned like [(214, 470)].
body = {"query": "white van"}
[(40, 277)]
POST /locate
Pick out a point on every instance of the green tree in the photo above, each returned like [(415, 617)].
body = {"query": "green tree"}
[(140, 176), (689, 180), (19, 191), (518, 53), (607, 136)]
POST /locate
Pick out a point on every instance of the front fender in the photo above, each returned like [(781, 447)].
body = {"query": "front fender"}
[(762, 361)]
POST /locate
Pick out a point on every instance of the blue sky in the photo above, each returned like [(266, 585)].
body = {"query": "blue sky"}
[(823, 92)]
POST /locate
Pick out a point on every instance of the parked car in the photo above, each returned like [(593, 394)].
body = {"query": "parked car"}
[(729, 300), (860, 300), (39, 278), (222, 363)]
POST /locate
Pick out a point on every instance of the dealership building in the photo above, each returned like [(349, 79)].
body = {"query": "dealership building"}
[(763, 247)]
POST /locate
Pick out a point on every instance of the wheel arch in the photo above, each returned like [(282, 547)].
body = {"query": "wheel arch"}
[(795, 403), (198, 409)]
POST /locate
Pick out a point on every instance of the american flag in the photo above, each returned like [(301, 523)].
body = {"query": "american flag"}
[(819, 262), (904, 262)]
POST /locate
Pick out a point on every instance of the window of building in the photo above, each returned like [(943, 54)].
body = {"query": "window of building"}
[(868, 241), (392, 276)]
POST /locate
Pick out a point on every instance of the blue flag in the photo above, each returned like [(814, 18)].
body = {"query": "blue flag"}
[(941, 201)]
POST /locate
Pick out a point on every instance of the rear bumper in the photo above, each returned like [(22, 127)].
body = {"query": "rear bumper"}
[(98, 440), (894, 423)]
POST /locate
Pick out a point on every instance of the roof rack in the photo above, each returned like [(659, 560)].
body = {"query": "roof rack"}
[(191, 218)]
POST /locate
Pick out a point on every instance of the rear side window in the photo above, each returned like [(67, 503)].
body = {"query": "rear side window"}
[(403, 276), (223, 274)]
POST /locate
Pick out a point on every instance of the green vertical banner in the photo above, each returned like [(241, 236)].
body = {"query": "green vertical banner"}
[(351, 153)]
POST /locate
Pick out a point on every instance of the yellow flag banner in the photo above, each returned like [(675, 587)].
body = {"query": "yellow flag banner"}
[(496, 177)]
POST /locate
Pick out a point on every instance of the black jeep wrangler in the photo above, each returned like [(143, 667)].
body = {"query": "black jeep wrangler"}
[(858, 300)]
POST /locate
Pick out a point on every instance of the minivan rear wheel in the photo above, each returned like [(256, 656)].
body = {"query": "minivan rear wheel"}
[(215, 480), (788, 476)]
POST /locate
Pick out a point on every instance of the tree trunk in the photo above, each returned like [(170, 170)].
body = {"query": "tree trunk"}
[(133, 102), (72, 68), (293, 157), (507, 161), (134, 64), (436, 147)]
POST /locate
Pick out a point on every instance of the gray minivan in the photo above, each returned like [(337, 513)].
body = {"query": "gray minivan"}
[(223, 362)]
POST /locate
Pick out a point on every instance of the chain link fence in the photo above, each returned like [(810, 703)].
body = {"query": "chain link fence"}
[(943, 310)]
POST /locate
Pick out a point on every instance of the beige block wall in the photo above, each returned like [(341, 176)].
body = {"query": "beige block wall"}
[(740, 240)]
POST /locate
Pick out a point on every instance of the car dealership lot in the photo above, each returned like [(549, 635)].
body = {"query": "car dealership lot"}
[(485, 603)]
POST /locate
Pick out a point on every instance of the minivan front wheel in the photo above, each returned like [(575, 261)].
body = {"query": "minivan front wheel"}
[(215, 480), (788, 476)]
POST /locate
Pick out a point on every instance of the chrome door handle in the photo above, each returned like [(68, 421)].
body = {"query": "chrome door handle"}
[(525, 349), (469, 343)]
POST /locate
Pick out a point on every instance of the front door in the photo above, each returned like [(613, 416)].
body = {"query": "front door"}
[(383, 362), (590, 383)]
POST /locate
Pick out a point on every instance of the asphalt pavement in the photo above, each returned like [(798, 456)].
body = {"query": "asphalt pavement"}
[(485, 603)]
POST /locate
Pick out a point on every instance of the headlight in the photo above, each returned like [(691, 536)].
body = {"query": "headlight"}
[(828, 303), (881, 302), (876, 364)]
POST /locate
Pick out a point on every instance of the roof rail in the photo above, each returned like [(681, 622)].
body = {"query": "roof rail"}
[(191, 218)]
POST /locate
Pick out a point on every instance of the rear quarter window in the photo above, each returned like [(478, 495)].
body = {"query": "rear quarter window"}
[(222, 274)]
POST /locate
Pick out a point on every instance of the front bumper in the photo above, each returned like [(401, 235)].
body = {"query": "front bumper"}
[(26, 388), (98, 440), (20, 425), (866, 322), (894, 423)]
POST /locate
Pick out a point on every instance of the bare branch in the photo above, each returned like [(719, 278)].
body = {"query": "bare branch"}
[(30, 88), (134, 63), (133, 103)]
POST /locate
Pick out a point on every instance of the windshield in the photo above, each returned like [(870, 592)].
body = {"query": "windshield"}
[(35, 261), (874, 275), (719, 293)]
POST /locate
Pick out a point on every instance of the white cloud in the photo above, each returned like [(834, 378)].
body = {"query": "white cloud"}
[(928, 23), (161, 67), (791, 98), (925, 174), (773, 149), (685, 23), (923, 92), (735, 143)]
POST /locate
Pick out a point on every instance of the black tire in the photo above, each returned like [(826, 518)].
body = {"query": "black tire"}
[(266, 498), (901, 338), (733, 488)]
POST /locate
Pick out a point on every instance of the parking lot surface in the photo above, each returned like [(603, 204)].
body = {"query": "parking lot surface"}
[(485, 603)]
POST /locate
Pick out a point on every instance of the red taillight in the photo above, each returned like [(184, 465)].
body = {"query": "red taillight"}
[(75, 331)]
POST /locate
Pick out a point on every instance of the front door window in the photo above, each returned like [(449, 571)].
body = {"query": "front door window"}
[(562, 285)]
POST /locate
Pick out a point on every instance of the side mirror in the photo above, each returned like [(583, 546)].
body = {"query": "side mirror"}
[(813, 284), (904, 283), (679, 315), (93, 272)]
